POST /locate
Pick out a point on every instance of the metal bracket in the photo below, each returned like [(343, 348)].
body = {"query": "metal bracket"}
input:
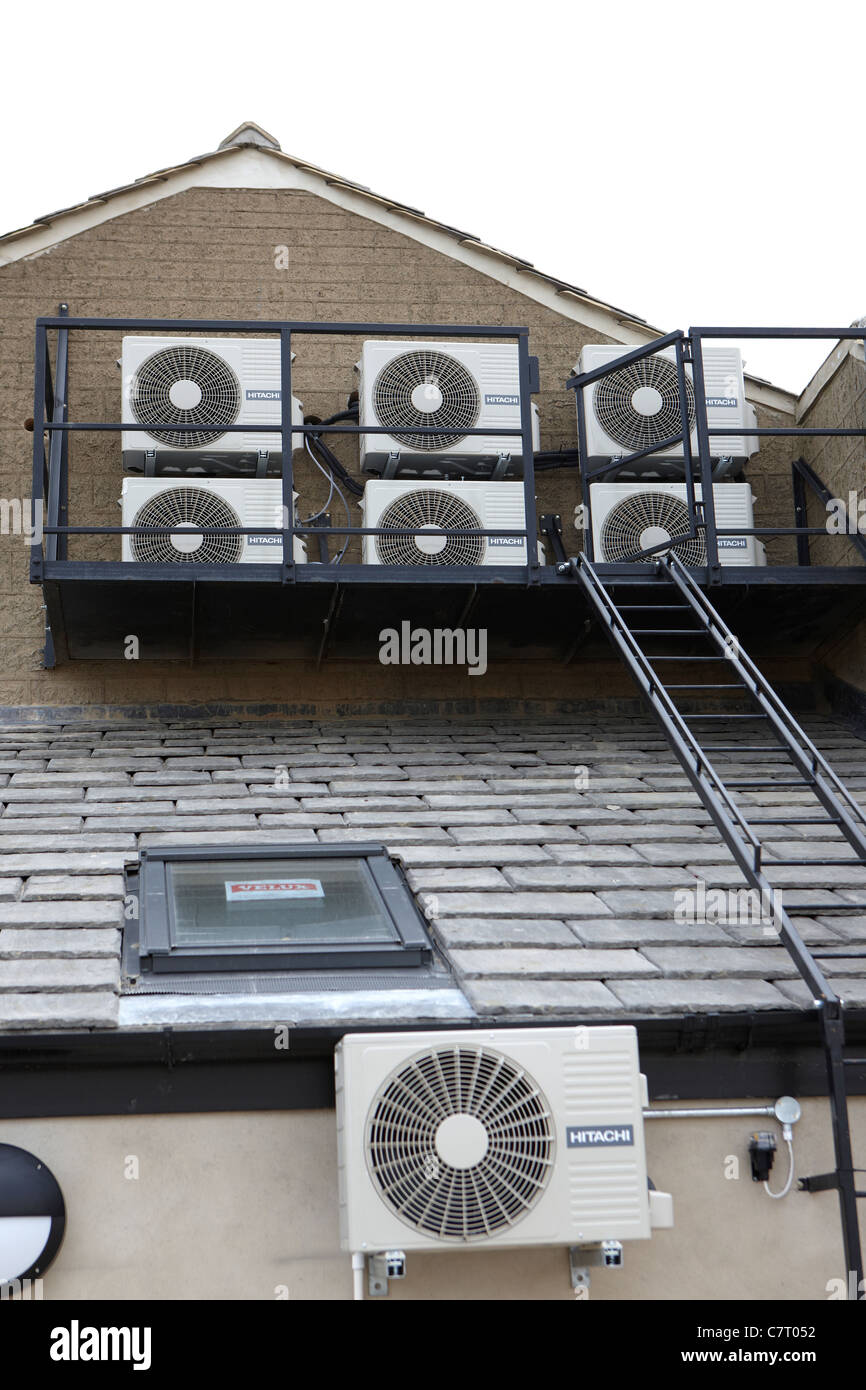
[(381, 1269), (500, 468), (262, 457), (150, 463), (581, 1258), (323, 520), (824, 1182), (49, 660), (580, 1277), (550, 526), (607, 1254)]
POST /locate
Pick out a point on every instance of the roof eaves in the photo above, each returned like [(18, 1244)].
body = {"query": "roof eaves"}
[(519, 263), (159, 176), (336, 181)]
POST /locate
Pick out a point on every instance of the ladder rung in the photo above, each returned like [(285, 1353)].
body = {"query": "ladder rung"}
[(706, 685), (841, 955), (725, 716), (854, 1061), (684, 660), (827, 907), (743, 748), (794, 820), (673, 632), (807, 863), (776, 782)]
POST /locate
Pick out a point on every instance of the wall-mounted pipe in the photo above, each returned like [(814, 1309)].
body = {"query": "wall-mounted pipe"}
[(786, 1110)]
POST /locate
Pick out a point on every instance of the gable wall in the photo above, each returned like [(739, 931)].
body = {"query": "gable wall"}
[(210, 252)]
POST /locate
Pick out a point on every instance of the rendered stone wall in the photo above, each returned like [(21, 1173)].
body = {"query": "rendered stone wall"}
[(245, 1206)]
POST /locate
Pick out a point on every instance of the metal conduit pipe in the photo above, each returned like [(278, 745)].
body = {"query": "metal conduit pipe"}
[(734, 1112), (786, 1110)]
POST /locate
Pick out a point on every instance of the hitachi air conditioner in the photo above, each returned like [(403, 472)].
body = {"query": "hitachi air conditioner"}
[(408, 386), (188, 506), (492, 1138), (628, 517), (205, 382), (635, 407), (427, 508)]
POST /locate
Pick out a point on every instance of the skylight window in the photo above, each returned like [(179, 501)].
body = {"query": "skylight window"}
[(279, 907)]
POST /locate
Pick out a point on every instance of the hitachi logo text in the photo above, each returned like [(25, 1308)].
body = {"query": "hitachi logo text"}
[(77, 1343), (263, 395), (596, 1136), (501, 400)]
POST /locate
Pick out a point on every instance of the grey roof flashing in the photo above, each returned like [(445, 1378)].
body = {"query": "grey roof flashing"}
[(359, 1006)]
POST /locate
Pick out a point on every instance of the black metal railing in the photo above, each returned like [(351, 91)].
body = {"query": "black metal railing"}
[(50, 485), (702, 521), (50, 488)]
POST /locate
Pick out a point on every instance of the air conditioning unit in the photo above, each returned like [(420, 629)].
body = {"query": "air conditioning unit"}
[(627, 517), (429, 507), (511, 1137), (211, 502), (406, 385), (637, 406), (205, 382)]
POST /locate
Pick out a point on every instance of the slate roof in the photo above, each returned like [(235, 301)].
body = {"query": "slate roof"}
[(547, 900)]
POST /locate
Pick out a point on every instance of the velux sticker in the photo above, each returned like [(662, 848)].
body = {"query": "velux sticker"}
[(257, 889)]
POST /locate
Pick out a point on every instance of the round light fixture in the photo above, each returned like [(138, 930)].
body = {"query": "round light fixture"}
[(32, 1215)]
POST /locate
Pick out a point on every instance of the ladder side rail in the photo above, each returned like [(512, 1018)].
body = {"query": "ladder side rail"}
[(833, 1033), (737, 833), (800, 747)]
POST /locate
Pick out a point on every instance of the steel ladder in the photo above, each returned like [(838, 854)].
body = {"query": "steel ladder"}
[(685, 620)]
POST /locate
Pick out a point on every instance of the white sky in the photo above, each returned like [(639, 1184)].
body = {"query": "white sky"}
[(693, 163)]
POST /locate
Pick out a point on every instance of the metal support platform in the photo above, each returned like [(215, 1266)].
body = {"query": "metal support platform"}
[(219, 611)]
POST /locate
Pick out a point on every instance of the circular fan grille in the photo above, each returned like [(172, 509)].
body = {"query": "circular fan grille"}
[(640, 405), (429, 509), (444, 1194), (186, 507), (646, 519), (425, 388), (186, 385)]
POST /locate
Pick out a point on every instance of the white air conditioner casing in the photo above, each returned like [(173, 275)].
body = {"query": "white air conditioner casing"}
[(183, 380), (649, 512), (492, 1138), (472, 385), (443, 504), (208, 502), (630, 409)]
